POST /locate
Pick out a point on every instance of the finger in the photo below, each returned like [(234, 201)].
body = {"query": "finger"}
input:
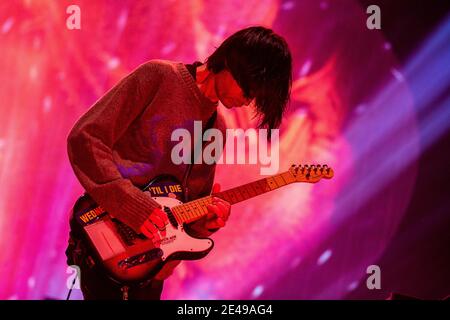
[(146, 233), (216, 188), (217, 200), (157, 221), (220, 200), (210, 216), (147, 225), (220, 222), (144, 230), (151, 227), (216, 223), (224, 210), (223, 204), (212, 208), (161, 214), (211, 225)]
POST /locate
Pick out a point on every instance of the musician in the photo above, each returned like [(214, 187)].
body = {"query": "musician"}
[(124, 140)]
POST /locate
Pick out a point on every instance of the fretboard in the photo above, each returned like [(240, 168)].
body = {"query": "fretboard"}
[(194, 210)]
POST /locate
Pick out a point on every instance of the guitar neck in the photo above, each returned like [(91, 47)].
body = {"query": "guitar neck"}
[(194, 210), (255, 188)]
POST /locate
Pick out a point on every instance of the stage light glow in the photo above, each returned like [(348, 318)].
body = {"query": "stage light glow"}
[(257, 291), (387, 152), (324, 257), (390, 146), (352, 286), (51, 75)]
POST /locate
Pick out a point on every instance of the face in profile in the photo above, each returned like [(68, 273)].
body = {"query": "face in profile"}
[(229, 92)]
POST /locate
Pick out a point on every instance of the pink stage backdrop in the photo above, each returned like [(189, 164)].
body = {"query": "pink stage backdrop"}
[(50, 75)]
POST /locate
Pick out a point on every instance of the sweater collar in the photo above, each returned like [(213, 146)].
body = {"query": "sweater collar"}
[(206, 104)]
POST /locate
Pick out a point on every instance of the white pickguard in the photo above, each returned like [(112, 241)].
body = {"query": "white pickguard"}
[(176, 239)]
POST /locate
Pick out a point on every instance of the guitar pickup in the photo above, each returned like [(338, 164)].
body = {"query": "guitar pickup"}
[(140, 258)]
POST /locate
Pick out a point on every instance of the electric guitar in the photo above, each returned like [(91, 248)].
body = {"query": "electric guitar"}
[(129, 258)]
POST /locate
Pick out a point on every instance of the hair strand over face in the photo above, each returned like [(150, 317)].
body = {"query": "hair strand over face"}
[(261, 63)]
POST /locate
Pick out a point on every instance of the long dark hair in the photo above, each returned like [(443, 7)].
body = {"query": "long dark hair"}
[(261, 63)]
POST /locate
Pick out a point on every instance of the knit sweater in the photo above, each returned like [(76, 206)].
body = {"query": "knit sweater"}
[(124, 139)]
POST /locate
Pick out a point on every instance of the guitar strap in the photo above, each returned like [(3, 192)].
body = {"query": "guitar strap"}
[(209, 125)]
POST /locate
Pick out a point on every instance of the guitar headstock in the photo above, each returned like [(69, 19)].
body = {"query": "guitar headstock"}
[(310, 173)]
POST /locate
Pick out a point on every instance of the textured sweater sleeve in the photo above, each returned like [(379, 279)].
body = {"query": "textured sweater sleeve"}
[(91, 140)]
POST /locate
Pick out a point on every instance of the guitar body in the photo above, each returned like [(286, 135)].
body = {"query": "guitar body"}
[(131, 258)]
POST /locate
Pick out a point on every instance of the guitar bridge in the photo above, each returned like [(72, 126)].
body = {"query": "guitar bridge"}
[(126, 233), (140, 258)]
